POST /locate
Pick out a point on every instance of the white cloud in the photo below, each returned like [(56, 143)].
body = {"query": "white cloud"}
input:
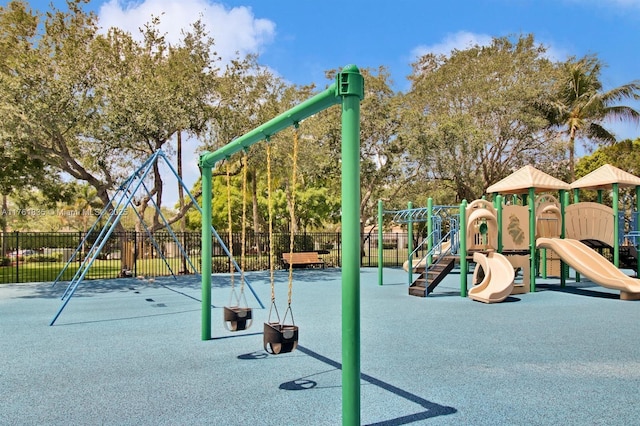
[(233, 29), (460, 41)]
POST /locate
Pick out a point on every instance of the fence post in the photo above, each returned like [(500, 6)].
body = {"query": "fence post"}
[(397, 251), (135, 253), (380, 243), (17, 251)]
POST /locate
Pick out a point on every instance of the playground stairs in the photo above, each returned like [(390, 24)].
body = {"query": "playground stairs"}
[(429, 278)]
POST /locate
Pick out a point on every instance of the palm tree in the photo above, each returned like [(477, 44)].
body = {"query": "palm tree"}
[(85, 204), (581, 107)]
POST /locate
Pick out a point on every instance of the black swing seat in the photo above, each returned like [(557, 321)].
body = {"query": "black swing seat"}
[(237, 318), (279, 338)]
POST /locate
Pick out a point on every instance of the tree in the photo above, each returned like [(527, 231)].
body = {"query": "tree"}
[(95, 105), (580, 106), (86, 204), (383, 169), (19, 169), (470, 119)]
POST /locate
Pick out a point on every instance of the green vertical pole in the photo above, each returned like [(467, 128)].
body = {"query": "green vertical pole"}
[(498, 206), (564, 202), (543, 259), (430, 230), (380, 243), (599, 196), (616, 225), (206, 253), (351, 86), (410, 243), (576, 200), (532, 237), (463, 248)]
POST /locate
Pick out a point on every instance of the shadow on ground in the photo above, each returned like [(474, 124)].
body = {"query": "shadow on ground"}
[(431, 409)]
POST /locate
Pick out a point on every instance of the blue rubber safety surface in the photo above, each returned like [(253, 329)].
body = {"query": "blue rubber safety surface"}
[(128, 352)]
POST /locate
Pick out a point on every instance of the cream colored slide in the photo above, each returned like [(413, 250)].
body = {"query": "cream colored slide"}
[(497, 283), (593, 266)]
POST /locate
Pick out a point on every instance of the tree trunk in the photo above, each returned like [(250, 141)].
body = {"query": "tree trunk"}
[(257, 223), (183, 220), (157, 189), (5, 209), (572, 141)]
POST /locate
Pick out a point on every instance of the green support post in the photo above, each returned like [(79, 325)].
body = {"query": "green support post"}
[(430, 230), (352, 88), (543, 260), (206, 254), (410, 244), (616, 225), (498, 207), (599, 196), (576, 200), (348, 89), (380, 243), (532, 237), (463, 248), (564, 202)]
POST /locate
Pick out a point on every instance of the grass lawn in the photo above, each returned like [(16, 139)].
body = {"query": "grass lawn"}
[(105, 269)]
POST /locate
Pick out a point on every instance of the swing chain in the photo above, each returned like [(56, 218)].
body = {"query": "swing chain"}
[(243, 251), (230, 234), (270, 210), (293, 212)]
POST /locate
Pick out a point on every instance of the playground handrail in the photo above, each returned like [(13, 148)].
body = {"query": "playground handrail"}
[(452, 235)]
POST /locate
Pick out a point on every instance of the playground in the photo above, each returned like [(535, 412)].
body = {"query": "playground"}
[(128, 351), (360, 350)]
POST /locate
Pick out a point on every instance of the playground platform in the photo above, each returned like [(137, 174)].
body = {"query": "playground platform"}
[(128, 352)]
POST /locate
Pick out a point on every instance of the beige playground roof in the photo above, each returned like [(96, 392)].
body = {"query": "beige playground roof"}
[(604, 177), (527, 177)]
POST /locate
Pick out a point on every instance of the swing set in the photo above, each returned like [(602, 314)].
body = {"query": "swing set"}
[(279, 336)]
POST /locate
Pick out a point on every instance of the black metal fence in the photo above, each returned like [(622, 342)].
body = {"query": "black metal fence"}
[(47, 256)]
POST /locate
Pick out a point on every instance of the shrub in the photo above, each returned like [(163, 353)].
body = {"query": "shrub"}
[(301, 243), (219, 264), (5, 261), (41, 258)]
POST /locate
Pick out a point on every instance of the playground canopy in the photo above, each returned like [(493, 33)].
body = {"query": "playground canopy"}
[(604, 177), (520, 181)]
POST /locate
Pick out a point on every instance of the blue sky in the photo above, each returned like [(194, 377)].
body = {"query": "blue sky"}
[(301, 39)]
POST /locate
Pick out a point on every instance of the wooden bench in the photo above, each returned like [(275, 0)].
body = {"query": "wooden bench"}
[(302, 259)]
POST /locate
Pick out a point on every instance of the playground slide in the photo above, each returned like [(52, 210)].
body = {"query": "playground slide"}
[(593, 266), (497, 283)]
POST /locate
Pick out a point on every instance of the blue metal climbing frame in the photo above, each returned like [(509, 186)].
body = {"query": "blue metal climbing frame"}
[(122, 199)]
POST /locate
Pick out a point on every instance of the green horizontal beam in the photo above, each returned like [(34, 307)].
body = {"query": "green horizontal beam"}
[(311, 106)]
